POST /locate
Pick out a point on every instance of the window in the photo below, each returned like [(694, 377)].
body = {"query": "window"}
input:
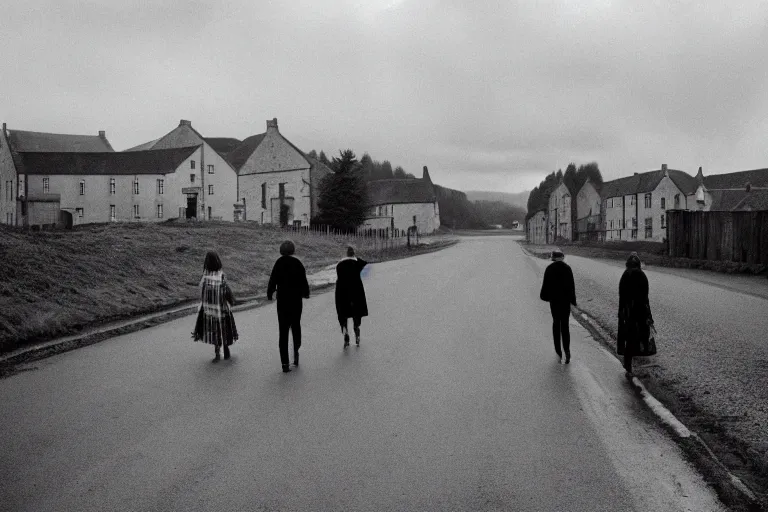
[(634, 222), (631, 200), (634, 234), (610, 203), (112, 212), (210, 169), (160, 186), (159, 211), (281, 190), (647, 200), (663, 203), (649, 227), (611, 224), (46, 185), (135, 211), (210, 213), (263, 195), (210, 190), (414, 220), (191, 178), (82, 187), (111, 186), (80, 212), (663, 218), (136, 187), (677, 201), (191, 164)]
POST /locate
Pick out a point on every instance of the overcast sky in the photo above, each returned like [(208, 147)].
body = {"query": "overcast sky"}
[(489, 95)]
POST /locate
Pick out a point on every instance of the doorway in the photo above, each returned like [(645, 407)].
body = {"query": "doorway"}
[(192, 206)]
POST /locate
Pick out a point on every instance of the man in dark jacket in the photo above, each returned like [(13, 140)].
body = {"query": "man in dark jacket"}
[(559, 290), (289, 278), (350, 294)]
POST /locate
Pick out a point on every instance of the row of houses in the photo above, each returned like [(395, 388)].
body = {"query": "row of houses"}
[(49, 178), (633, 208)]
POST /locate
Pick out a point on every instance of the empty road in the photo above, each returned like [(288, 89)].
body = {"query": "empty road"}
[(454, 401)]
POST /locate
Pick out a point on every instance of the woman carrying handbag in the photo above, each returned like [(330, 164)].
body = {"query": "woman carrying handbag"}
[(636, 336)]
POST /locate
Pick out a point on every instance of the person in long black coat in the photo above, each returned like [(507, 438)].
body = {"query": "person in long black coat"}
[(635, 317), (559, 290), (289, 279), (350, 294)]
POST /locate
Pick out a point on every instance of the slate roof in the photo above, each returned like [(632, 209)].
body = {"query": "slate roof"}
[(647, 182), (737, 180), (400, 191), (223, 145), (755, 200), (21, 140), (161, 161), (241, 153), (726, 199)]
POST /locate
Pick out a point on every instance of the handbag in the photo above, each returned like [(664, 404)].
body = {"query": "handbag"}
[(647, 347)]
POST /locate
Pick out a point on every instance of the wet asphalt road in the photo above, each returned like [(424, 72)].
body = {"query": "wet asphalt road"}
[(454, 401)]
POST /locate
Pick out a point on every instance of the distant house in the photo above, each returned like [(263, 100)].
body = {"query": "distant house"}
[(136, 186), (399, 204), (736, 191), (16, 198), (275, 175), (560, 214), (634, 207), (589, 221), (536, 228), (210, 183)]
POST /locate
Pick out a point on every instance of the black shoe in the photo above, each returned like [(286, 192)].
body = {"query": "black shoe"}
[(295, 359), (226, 352), (346, 340), (567, 358), (286, 368), (357, 337), (216, 358)]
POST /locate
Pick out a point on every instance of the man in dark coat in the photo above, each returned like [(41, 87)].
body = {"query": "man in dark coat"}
[(289, 278), (635, 317), (350, 294), (559, 290)]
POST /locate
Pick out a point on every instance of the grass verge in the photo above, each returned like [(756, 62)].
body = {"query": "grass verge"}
[(57, 284)]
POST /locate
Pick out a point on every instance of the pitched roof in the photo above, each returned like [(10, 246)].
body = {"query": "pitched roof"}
[(756, 177), (238, 156), (21, 140), (400, 191), (161, 161), (223, 145), (725, 200), (647, 182), (756, 199)]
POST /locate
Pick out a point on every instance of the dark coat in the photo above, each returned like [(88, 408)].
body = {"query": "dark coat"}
[(289, 279), (634, 309), (558, 285), (350, 293)]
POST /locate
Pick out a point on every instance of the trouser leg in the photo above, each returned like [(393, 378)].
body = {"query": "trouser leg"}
[(628, 352), (284, 323), (555, 327), (296, 331), (565, 330)]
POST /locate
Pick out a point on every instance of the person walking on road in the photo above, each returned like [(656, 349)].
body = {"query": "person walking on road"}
[(289, 279), (559, 290), (635, 319), (215, 323), (350, 294)]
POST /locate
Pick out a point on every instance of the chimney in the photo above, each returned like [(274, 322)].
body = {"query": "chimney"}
[(664, 167), (425, 175), (102, 134), (637, 173), (5, 130), (184, 122), (272, 124)]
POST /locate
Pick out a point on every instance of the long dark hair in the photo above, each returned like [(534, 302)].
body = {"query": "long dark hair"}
[(212, 262)]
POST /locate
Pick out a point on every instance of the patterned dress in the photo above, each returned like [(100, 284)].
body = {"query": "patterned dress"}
[(215, 323)]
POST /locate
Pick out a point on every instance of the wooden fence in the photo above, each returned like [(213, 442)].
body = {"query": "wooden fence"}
[(374, 240), (725, 236)]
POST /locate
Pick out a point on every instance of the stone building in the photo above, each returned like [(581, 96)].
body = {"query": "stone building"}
[(136, 186), (560, 216), (209, 182), (536, 228), (399, 204), (273, 174), (634, 207), (589, 221)]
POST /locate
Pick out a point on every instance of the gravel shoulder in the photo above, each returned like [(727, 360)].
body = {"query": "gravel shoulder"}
[(712, 367)]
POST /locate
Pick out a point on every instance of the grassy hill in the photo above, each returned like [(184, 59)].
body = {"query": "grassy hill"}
[(519, 199), (56, 283)]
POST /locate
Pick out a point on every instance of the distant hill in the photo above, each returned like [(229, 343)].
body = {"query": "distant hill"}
[(516, 199)]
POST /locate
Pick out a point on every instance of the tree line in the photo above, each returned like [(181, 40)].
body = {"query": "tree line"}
[(573, 178), (369, 168)]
